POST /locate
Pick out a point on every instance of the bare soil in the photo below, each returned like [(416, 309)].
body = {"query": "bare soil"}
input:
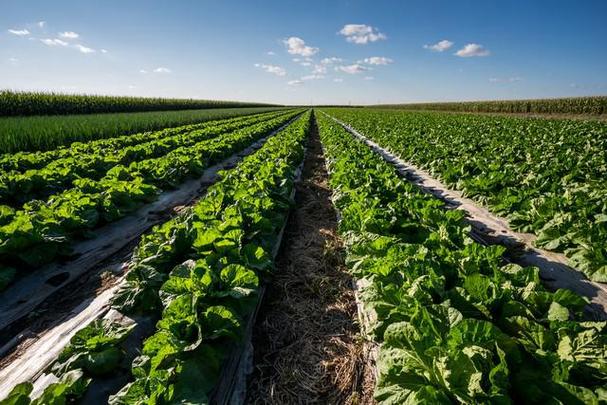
[(308, 346)]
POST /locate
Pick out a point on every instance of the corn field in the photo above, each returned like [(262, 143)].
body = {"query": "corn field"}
[(572, 105), (14, 103)]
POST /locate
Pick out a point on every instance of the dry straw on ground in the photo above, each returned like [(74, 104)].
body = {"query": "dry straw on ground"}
[(308, 347)]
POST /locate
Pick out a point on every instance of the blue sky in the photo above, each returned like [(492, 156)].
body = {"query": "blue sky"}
[(343, 51)]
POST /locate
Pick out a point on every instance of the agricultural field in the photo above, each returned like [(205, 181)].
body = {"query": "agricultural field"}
[(47, 132), (456, 322), (547, 177), (210, 262), (318, 203), (51, 198), (58, 199), (593, 106)]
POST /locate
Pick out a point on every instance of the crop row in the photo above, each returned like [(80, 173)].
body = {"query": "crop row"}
[(455, 323), (201, 272), (45, 230), (571, 105), (22, 161), (93, 160), (548, 177), (47, 132), (13, 103)]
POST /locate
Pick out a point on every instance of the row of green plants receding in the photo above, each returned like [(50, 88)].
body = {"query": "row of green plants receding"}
[(43, 231), (22, 103), (548, 177), (199, 274), (41, 133), (22, 161), (571, 105), (38, 175), (455, 322)]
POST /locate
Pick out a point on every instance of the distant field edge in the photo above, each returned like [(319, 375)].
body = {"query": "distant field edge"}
[(594, 105), (28, 103)]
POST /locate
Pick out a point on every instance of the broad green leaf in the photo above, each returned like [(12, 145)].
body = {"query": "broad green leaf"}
[(19, 395), (557, 312)]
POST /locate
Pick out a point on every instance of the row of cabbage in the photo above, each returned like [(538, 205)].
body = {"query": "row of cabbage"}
[(42, 231), (455, 323), (48, 132), (548, 177), (37, 175), (200, 274), (22, 161)]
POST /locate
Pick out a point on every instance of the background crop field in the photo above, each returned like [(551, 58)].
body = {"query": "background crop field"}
[(573, 105), (48, 132), (14, 103)]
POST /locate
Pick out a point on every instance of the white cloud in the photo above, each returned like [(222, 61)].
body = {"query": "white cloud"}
[(369, 78), (472, 50), (103, 50), (330, 61), (338, 80), (84, 49), (297, 46), (352, 69), (270, 53), (295, 82), (319, 69), (306, 64), (143, 71), (361, 34), (53, 42), (440, 46), (41, 24), (13, 61), (312, 77), (19, 33), (69, 35), (276, 70), (377, 60), (131, 86)]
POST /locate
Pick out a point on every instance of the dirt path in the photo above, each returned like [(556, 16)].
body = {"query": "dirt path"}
[(308, 348)]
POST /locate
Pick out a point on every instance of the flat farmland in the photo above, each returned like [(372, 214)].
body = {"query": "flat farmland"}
[(341, 203)]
